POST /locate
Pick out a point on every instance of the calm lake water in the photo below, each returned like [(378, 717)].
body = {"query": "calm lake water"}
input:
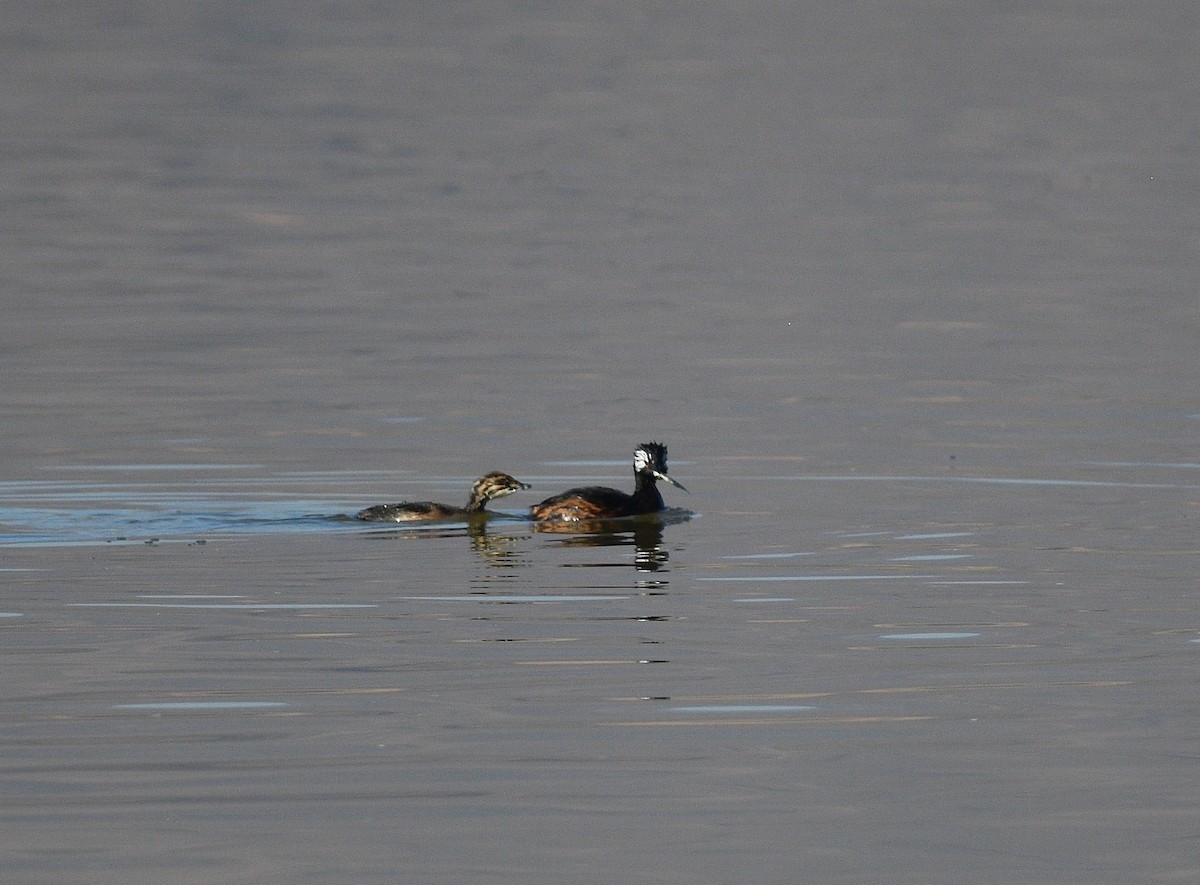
[(909, 290)]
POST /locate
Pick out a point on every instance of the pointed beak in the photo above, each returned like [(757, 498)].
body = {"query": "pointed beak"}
[(666, 478), (510, 490)]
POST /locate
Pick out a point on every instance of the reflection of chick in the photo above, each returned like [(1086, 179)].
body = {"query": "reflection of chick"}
[(486, 488)]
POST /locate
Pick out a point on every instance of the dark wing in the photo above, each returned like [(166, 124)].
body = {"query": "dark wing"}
[(406, 511), (590, 502)]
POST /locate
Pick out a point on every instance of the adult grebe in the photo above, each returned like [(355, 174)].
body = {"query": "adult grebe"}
[(486, 488), (601, 502)]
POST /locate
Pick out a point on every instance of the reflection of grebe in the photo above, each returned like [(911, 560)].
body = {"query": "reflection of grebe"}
[(601, 502), (486, 488)]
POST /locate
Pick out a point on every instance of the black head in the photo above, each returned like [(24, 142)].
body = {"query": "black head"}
[(650, 460)]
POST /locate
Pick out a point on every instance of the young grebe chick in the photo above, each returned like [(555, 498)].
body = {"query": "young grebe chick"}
[(601, 502), (486, 488)]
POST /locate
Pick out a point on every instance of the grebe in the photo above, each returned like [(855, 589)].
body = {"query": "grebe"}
[(600, 502), (486, 488)]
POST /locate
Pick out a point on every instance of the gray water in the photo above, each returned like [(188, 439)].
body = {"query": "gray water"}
[(908, 289)]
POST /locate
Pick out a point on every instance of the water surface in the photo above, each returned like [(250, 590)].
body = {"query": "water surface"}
[(908, 290)]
